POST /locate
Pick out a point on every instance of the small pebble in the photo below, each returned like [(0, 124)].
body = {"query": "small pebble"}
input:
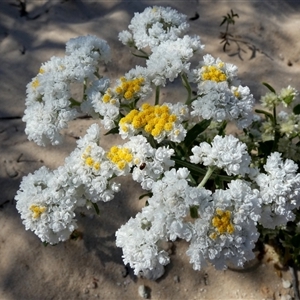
[(286, 284), (176, 279), (143, 292), (92, 285), (86, 291)]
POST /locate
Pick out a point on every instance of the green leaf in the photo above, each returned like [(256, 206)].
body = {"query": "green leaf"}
[(74, 103), (114, 130), (145, 195), (96, 208), (224, 20), (195, 131), (295, 241), (296, 109), (194, 211), (222, 128), (266, 113), (219, 183), (269, 87)]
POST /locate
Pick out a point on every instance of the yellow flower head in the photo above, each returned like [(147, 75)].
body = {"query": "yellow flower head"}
[(153, 119), (37, 210), (129, 88), (121, 157), (213, 73), (35, 83), (222, 223)]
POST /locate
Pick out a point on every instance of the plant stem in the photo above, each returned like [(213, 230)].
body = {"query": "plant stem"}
[(157, 95), (276, 133), (209, 172), (188, 88)]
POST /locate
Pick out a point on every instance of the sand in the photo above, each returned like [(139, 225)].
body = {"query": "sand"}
[(91, 267)]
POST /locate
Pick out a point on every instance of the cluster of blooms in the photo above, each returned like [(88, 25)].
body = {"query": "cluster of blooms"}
[(159, 121), (220, 95), (174, 150), (48, 102)]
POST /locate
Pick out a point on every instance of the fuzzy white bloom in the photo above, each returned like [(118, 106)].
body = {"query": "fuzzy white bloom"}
[(226, 230), (90, 168), (212, 72), (221, 103), (226, 153), (47, 206), (132, 87), (154, 25), (89, 48), (140, 246), (93, 104), (173, 57), (137, 153), (49, 98), (280, 191), (150, 168), (163, 219)]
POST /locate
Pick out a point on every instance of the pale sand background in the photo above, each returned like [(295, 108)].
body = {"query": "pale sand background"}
[(92, 267)]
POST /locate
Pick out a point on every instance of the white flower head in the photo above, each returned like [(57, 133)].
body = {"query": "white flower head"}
[(153, 26), (226, 231), (280, 191), (46, 206), (89, 46), (173, 57), (226, 153), (141, 247), (150, 167), (223, 104), (213, 72), (90, 168), (163, 219)]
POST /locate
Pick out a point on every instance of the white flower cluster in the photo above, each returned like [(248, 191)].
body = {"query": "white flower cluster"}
[(279, 190), (47, 199), (49, 98), (106, 100), (226, 230), (154, 25), (221, 98), (163, 219), (161, 141), (173, 57), (226, 153), (47, 205)]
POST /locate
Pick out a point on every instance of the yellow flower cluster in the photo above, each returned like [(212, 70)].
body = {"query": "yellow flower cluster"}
[(88, 160), (213, 73), (222, 222), (153, 119), (236, 93), (127, 89), (35, 83), (37, 210), (120, 156)]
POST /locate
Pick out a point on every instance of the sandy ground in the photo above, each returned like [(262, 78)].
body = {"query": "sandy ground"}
[(91, 267)]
